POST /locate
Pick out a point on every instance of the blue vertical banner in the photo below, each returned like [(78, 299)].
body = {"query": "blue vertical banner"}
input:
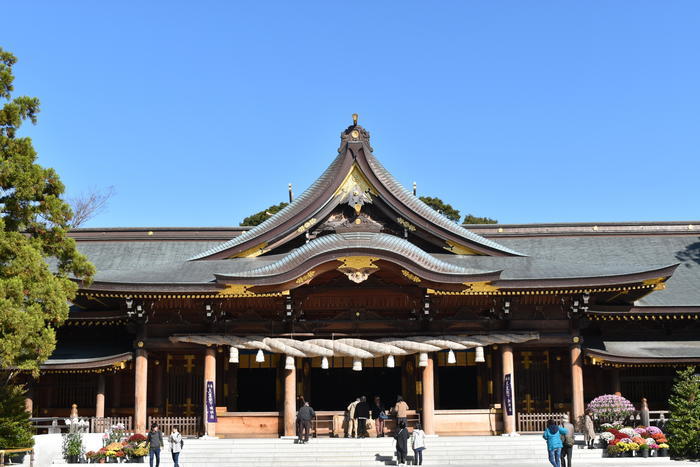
[(211, 403), (508, 394)]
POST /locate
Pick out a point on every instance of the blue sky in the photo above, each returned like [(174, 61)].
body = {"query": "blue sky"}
[(199, 113)]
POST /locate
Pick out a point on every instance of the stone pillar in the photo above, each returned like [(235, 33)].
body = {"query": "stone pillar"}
[(576, 381), (428, 398), (644, 412), (508, 373), (100, 398), (209, 375), (290, 397), (140, 390)]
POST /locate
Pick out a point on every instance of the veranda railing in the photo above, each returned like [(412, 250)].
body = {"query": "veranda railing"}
[(188, 426), (535, 422), (102, 424)]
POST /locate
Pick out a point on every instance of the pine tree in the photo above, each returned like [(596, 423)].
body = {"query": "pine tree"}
[(684, 426), (443, 208), (15, 428), (34, 223), (262, 216)]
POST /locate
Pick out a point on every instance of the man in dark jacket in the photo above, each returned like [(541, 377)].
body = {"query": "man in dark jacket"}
[(305, 415), (155, 442), (362, 414)]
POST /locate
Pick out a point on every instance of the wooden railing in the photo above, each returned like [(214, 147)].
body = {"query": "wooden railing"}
[(188, 426), (48, 425), (102, 424), (535, 422), (51, 425)]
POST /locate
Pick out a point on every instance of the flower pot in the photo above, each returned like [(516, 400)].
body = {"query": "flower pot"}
[(627, 454), (73, 459), (643, 453), (663, 452), (137, 460)]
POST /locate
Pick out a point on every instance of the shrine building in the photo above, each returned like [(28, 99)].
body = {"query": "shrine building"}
[(359, 288)]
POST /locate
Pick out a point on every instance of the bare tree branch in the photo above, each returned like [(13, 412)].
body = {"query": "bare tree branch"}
[(89, 204)]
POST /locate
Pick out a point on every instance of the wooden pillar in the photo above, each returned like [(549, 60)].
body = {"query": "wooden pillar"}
[(140, 390), (428, 398), (209, 376), (508, 383), (290, 397), (576, 381), (100, 398)]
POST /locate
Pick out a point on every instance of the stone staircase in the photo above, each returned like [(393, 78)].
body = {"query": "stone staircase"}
[(469, 451)]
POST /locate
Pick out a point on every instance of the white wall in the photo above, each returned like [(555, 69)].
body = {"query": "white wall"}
[(48, 447)]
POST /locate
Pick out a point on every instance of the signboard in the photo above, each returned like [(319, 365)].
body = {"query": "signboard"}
[(211, 403), (508, 394)]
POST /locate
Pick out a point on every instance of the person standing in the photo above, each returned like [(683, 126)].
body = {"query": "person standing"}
[(400, 410), (553, 434), (568, 442), (300, 404), (401, 438), (362, 414), (176, 443), (588, 429), (155, 442), (306, 414), (418, 444), (379, 415), (352, 420)]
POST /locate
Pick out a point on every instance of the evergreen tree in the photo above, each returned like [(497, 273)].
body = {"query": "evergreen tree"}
[(684, 426), (33, 231), (471, 219), (442, 207), (15, 428), (262, 216)]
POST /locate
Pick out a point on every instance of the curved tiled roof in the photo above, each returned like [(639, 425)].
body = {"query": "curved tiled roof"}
[(296, 206), (359, 240), (419, 207), (330, 180)]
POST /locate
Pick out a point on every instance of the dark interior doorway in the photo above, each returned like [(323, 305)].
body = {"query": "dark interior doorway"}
[(256, 389), (334, 389), (458, 388)]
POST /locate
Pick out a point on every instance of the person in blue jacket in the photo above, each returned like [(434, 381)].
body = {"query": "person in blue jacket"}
[(553, 436)]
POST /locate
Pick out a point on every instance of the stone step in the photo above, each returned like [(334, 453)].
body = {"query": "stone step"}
[(468, 450)]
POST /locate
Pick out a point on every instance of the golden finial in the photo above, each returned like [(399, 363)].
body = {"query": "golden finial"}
[(354, 119)]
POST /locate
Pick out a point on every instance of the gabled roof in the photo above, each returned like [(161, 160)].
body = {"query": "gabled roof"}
[(354, 177)]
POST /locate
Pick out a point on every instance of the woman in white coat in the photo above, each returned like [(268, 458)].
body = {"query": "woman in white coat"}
[(175, 439), (418, 444)]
